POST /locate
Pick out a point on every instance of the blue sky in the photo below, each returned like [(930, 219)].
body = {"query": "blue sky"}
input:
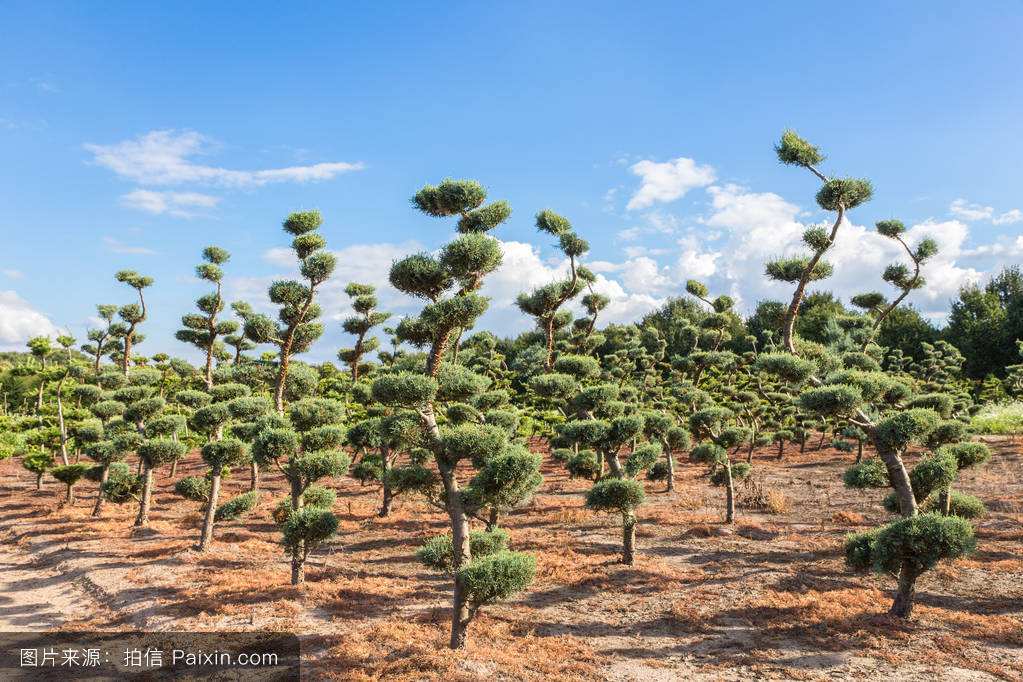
[(133, 135)]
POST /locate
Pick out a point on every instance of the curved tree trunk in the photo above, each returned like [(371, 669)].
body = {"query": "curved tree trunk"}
[(211, 514), (671, 470), (253, 476)]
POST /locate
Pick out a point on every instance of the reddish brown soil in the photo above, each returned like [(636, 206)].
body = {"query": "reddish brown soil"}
[(769, 598)]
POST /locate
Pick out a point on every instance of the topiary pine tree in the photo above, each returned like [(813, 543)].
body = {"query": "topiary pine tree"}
[(854, 392), (202, 330), (544, 303), (38, 461), (132, 315), (306, 451), (238, 341), (101, 341), (710, 426), (297, 328), (364, 303), (40, 347), (69, 475), (450, 283), (838, 195)]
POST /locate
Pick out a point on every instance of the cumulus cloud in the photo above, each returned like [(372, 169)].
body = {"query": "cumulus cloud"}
[(961, 208), (19, 322), (180, 204), (1009, 217), (668, 181), (165, 157)]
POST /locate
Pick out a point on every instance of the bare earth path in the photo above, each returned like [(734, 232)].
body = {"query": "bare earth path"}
[(35, 598)]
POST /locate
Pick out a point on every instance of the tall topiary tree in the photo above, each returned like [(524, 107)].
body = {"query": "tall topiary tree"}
[(364, 302), (544, 303), (853, 389), (296, 328), (40, 347), (202, 330), (449, 283), (101, 341), (305, 451), (132, 315)]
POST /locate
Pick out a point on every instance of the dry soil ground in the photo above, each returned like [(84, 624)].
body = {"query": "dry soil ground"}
[(768, 598)]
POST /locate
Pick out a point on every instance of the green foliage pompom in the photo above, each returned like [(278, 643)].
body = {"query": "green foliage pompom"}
[(497, 576), (579, 366), (922, 540), (582, 464), (122, 488), (793, 269), (160, 451), (470, 255), (272, 445), (458, 383), (890, 228), (932, 473), (69, 474), (301, 222), (786, 366), (902, 428), (370, 468), (709, 453), (450, 197), (420, 275), (870, 473), (485, 218), (642, 458), (438, 552), (228, 452), (967, 454), (961, 505), (550, 222), (236, 506), (795, 151), (832, 399), (506, 479), (554, 385), (845, 192), (308, 528), (658, 472), (740, 470), (615, 495), (407, 389), (194, 488)]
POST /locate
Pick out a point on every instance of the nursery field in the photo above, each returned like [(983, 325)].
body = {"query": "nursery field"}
[(768, 598)]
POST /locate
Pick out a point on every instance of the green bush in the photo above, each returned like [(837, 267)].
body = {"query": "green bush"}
[(615, 495), (370, 468), (69, 474), (583, 464), (740, 470), (658, 472), (1003, 419), (497, 576), (314, 496), (870, 473), (122, 488), (236, 506), (923, 540), (194, 488)]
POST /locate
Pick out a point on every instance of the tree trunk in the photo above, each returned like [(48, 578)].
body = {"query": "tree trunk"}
[(142, 520), (254, 476), (62, 425), (802, 446), (104, 475), (859, 451), (69, 499), (781, 450), (385, 482), (824, 434), (461, 555), (282, 377), (628, 539), (899, 478), (945, 500), (729, 494), (492, 519), (174, 468), (211, 511), (39, 481), (671, 470), (297, 554), (902, 607)]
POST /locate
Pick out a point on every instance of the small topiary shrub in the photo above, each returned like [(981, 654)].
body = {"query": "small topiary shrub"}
[(237, 506), (870, 473)]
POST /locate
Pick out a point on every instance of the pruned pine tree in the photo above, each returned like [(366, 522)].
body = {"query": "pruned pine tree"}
[(296, 328), (306, 450), (238, 341), (132, 315), (229, 401), (69, 475), (202, 329), (63, 373), (711, 427), (660, 427), (40, 347), (544, 303), (101, 341), (881, 405), (449, 283), (364, 303)]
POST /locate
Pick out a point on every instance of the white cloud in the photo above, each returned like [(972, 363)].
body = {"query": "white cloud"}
[(174, 203), (164, 157), (19, 321), (668, 181), (961, 208), (117, 246), (1009, 217)]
